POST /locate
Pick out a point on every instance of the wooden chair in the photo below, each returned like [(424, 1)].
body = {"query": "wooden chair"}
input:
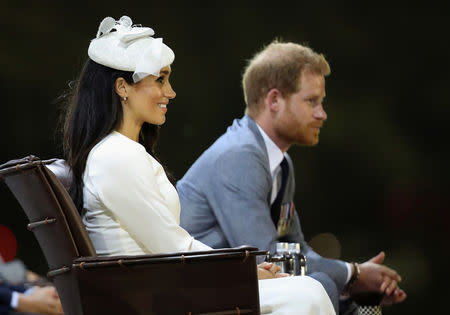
[(220, 281)]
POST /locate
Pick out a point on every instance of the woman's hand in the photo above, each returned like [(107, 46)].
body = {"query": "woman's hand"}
[(269, 271)]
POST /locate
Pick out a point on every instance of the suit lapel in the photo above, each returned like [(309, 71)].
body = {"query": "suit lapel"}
[(253, 127)]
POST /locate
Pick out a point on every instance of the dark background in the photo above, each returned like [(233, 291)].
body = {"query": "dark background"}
[(378, 178)]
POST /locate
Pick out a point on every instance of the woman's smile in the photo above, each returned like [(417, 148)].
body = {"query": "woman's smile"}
[(163, 107)]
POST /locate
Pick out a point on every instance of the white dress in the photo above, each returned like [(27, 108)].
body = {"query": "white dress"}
[(132, 208)]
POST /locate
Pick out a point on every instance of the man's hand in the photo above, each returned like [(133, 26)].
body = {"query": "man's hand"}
[(269, 271), (375, 277), (397, 296), (40, 301)]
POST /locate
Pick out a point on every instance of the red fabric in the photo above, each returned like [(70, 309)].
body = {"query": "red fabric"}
[(8, 244)]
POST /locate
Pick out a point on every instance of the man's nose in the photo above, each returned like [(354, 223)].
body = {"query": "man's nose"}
[(320, 113)]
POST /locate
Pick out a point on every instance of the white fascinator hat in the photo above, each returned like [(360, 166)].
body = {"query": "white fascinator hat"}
[(123, 46)]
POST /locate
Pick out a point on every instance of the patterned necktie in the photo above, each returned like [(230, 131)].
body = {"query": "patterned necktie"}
[(276, 205)]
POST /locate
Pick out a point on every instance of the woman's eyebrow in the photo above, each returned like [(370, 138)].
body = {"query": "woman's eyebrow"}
[(166, 72)]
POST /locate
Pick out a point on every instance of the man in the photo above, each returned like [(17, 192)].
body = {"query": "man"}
[(240, 190)]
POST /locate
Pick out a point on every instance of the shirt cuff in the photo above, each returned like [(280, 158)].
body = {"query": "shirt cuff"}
[(29, 290), (14, 300), (349, 272)]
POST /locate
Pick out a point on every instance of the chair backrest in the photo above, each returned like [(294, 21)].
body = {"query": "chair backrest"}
[(53, 217), (54, 221), (58, 175)]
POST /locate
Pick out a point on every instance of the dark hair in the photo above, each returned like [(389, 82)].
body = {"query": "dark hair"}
[(94, 110)]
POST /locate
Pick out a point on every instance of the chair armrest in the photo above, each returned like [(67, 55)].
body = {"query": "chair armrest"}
[(180, 257), (222, 281)]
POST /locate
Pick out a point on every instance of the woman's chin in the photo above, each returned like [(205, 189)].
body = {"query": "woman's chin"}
[(158, 122), (161, 121)]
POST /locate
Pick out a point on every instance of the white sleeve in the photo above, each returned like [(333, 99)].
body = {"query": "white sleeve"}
[(126, 184), (349, 272), (14, 300)]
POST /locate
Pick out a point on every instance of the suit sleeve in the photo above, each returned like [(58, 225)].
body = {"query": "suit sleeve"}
[(6, 292), (5, 299)]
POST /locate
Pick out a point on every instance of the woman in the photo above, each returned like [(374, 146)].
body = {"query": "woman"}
[(111, 128)]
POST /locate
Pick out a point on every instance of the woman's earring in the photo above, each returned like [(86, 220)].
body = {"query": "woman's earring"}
[(124, 98)]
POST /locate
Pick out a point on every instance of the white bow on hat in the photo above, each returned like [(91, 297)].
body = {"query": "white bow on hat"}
[(123, 46)]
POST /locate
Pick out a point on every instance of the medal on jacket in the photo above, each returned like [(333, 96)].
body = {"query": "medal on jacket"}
[(286, 217)]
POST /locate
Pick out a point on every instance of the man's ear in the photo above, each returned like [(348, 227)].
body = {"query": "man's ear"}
[(121, 87), (273, 98)]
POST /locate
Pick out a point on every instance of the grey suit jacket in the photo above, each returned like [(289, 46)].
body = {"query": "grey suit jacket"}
[(225, 198)]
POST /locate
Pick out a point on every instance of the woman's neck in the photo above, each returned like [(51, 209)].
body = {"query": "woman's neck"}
[(130, 131)]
